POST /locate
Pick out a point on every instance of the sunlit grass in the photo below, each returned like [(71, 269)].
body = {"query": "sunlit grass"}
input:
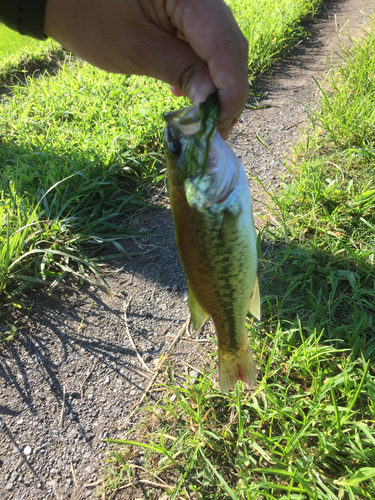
[(77, 151), (307, 432), (22, 56), (12, 43), (95, 138), (271, 27)]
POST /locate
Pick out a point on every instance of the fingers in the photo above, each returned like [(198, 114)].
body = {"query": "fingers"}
[(215, 37), (176, 92)]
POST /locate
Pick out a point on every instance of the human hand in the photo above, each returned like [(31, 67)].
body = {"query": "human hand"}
[(194, 45)]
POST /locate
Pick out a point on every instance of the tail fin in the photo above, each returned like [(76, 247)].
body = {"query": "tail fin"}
[(238, 366)]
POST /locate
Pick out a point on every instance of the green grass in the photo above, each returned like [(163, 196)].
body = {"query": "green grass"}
[(308, 431), (77, 150), (22, 56), (77, 153), (271, 27), (12, 43)]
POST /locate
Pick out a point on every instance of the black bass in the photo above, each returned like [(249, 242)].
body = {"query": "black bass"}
[(215, 233)]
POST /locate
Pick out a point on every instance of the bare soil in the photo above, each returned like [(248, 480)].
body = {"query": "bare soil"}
[(71, 376)]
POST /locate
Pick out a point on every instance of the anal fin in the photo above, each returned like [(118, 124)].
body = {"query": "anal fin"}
[(254, 302)]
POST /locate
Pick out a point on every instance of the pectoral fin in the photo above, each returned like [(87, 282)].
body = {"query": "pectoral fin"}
[(254, 302), (198, 314)]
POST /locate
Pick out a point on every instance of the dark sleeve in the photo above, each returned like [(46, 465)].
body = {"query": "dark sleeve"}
[(24, 16)]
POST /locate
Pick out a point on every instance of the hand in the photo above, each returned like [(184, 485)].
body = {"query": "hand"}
[(194, 45)]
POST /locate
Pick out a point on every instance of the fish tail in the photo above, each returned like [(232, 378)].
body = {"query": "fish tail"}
[(236, 366)]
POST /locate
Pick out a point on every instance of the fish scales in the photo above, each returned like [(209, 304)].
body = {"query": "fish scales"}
[(215, 238), (212, 272)]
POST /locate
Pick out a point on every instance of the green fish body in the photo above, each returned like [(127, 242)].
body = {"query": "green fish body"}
[(215, 233)]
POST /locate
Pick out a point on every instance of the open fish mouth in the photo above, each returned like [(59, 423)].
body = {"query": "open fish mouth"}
[(203, 158), (188, 135), (186, 121)]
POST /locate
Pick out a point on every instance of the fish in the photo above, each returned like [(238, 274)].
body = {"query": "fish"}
[(215, 233)]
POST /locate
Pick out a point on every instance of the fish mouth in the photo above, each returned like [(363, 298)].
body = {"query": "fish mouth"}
[(186, 121), (196, 127), (200, 118)]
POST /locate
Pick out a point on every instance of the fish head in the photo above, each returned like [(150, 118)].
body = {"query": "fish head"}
[(198, 158), (188, 136)]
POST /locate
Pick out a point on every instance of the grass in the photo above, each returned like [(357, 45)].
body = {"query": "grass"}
[(12, 43), (77, 153), (271, 27), (78, 150), (22, 56), (308, 430)]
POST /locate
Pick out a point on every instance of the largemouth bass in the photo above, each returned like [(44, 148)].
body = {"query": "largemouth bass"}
[(215, 233)]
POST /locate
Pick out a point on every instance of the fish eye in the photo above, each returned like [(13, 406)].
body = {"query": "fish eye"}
[(175, 147)]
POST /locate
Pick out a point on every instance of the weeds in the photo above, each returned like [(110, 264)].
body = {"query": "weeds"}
[(21, 56), (307, 430), (12, 43), (271, 28), (82, 149)]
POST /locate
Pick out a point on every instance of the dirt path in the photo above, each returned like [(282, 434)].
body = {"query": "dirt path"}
[(72, 376)]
